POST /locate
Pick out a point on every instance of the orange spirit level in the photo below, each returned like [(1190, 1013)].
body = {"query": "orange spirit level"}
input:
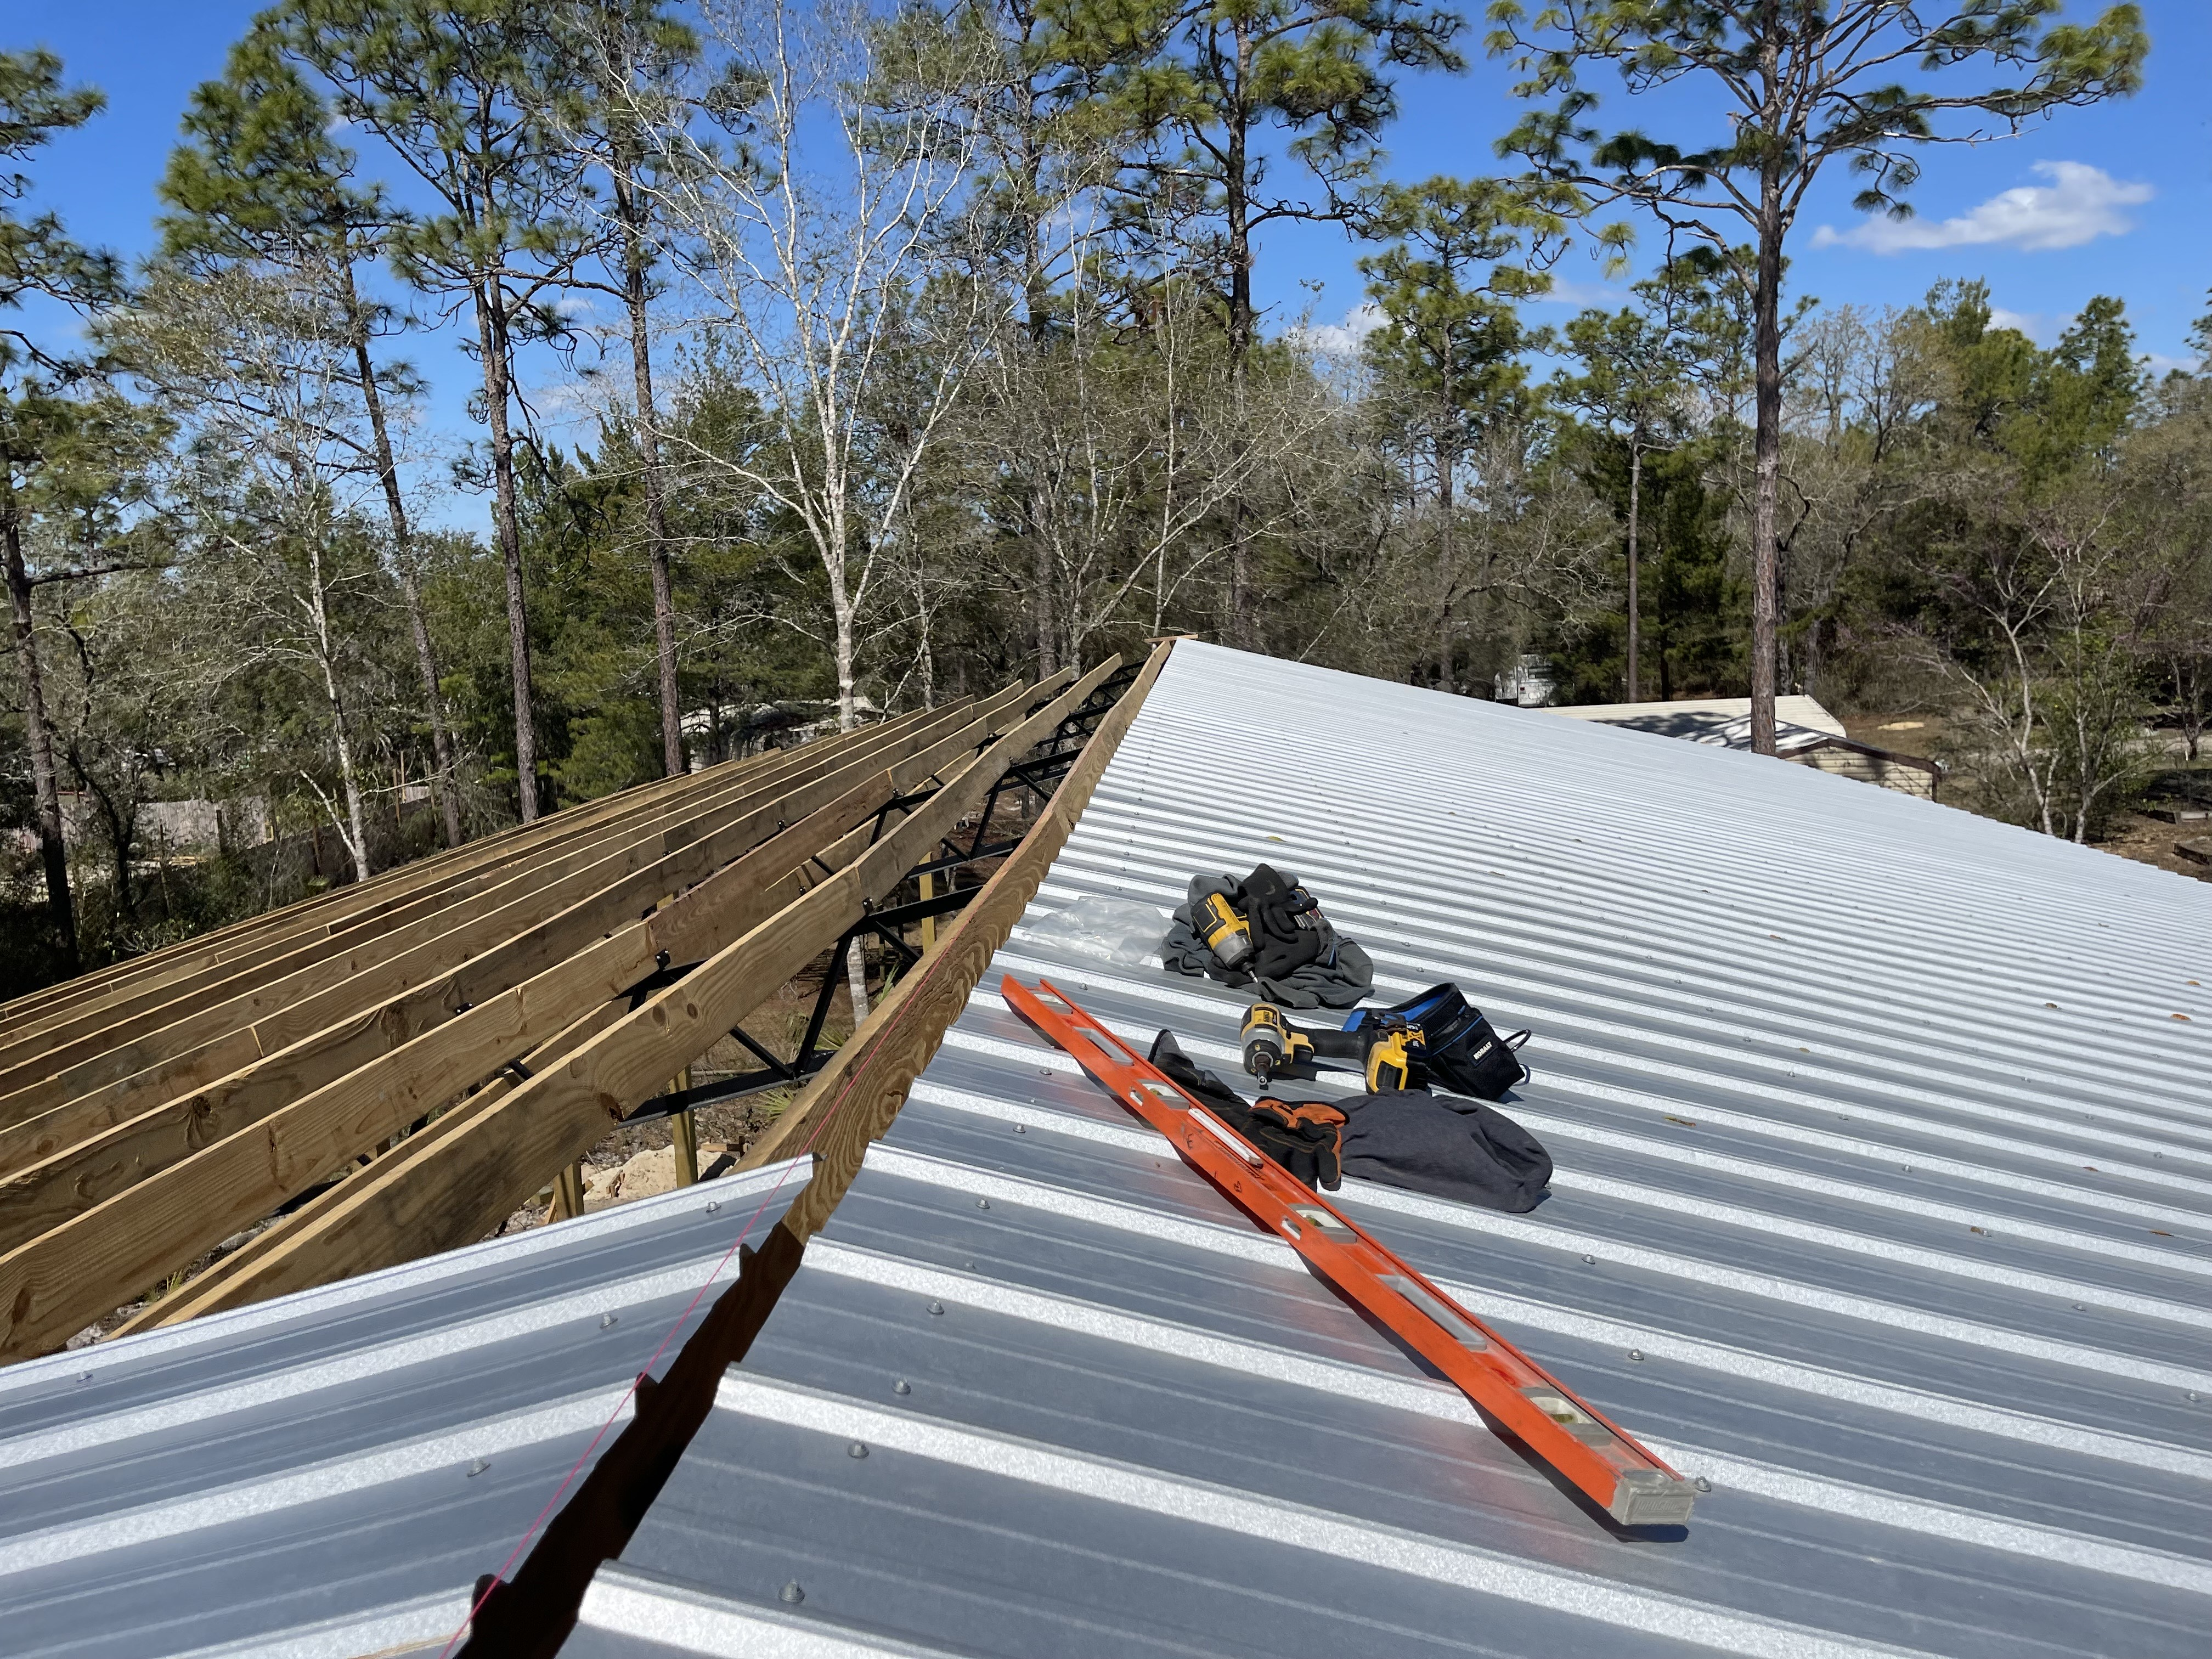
[(1603, 1460)]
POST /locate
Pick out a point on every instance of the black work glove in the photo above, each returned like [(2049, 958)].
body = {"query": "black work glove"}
[(1172, 1060), (1288, 929), (1304, 1137)]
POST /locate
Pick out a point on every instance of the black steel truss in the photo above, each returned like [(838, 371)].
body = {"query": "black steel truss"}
[(1040, 776)]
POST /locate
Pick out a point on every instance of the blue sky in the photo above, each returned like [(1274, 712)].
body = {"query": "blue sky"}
[(2116, 199)]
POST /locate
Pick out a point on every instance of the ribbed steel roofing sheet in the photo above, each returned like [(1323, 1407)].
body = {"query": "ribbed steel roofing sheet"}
[(1884, 1170), (328, 1473)]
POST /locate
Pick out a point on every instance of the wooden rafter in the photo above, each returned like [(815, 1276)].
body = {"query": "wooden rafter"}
[(244, 1072)]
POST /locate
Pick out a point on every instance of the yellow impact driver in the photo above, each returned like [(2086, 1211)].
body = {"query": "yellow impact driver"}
[(1272, 1044), (1387, 1051), (1223, 932)]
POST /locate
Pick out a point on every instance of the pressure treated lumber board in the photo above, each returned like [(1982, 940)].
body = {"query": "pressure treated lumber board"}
[(82, 1171), (852, 1100), (55, 1284), (93, 1049), (332, 910), (356, 976), (477, 1175), (230, 1282)]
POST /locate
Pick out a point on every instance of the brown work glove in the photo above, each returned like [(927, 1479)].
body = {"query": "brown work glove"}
[(1306, 1137)]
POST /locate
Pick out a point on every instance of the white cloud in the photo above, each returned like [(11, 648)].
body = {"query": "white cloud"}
[(1341, 339), (2032, 324), (1603, 295), (2079, 203)]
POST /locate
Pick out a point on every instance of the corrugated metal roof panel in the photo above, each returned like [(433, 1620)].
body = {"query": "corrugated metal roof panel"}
[(329, 1472), (1884, 1174)]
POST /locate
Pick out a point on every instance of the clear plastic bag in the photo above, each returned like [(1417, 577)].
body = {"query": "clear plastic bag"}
[(1126, 932)]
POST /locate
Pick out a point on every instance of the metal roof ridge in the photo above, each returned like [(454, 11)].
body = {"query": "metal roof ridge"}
[(311, 1482), (320, 1299)]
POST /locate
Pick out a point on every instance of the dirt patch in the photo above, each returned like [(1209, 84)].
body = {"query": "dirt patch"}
[(2150, 840)]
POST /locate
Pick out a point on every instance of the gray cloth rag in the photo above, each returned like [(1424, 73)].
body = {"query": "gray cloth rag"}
[(1340, 977)]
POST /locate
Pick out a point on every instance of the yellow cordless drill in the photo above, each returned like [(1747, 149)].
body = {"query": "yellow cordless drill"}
[(1222, 931), (1385, 1050)]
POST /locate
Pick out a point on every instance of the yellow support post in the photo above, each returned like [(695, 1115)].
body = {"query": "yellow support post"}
[(567, 1194), (685, 1129), (928, 923)]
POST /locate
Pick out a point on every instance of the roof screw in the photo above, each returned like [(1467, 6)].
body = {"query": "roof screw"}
[(856, 1449), (902, 1387), (1021, 1128), (83, 1377), (1908, 1169), (937, 1307), (2078, 1308), (1702, 1484), (606, 1322), (2194, 1397), (477, 1468), (791, 1593), (1589, 1261), (982, 1203), (1636, 1353), (714, 1206)]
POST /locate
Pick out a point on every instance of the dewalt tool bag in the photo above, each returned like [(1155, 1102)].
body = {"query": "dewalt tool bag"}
[(1463, 1050)]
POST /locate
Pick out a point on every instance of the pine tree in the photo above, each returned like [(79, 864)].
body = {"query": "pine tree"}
[(261, 179), (38, 418), (1799, 83)]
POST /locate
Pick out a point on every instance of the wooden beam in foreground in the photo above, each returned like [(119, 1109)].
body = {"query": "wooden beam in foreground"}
[(55, 1284), (218, 1287), (852, 1100)]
